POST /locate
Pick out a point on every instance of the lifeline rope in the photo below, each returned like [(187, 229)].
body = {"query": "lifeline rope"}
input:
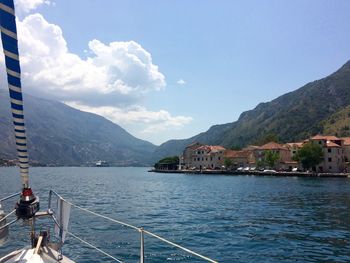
[(13, 69), (94, 247), (138, 229)]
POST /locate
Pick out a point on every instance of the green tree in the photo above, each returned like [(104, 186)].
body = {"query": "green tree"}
[(169, 163), (260, 163), (271, 157), (228, 163), (309, 155)]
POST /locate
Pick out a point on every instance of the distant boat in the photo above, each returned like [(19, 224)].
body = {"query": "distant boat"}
[(101, 164)]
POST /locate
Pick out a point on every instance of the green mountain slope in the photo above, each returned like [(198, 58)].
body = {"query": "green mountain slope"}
[(338, 123), (292, 116), (61, 135)]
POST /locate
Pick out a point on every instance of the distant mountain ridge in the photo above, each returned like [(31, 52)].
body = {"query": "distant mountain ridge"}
[(61, 135), (293, 116)]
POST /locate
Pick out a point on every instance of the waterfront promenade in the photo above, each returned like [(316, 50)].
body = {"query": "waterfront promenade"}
[(255, 173)]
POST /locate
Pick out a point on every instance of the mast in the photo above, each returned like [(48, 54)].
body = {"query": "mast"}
[(13, 70)]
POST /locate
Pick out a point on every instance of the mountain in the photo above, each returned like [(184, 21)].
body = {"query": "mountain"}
[(338, 123), (61, 135), (291, 117)]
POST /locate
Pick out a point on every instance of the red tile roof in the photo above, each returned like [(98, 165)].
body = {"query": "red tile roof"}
[(273, 146), (346, 140), (236, 154), (295, 144), (325, 137), (332, 144), (250, 148), (211, 148), (194, 145)]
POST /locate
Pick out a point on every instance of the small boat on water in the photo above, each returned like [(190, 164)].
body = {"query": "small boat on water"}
[(42, 247), (102, 164)]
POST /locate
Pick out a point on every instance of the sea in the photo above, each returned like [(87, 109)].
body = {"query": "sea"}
[(226, 218)]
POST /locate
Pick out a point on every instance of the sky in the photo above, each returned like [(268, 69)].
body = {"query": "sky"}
[(165, 69)]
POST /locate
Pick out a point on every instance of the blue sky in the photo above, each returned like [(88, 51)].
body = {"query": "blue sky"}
[(231, 55)]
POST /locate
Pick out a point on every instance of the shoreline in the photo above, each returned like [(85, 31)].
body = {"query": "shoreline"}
[(255, 173)]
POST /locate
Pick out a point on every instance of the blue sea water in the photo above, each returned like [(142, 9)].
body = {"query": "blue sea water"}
[(227, 218)]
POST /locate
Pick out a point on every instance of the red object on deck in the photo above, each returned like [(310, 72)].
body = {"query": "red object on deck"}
[(27, 192)]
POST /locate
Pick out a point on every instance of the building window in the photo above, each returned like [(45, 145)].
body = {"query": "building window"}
[(194, 159), (329, 150), (198, 159), (199, 152), (330, 167), (211, 158), (202, 159), (206, 158), (319, 142), (329, 159), (202, 152), (219, 158)]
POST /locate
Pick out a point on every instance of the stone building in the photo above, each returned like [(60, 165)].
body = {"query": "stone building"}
[(244, 158), (285, 161), (204, 156), (333, 154), (187, 158)]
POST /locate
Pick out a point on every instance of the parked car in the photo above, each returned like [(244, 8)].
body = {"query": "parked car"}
[(269, 171), (239, 169)]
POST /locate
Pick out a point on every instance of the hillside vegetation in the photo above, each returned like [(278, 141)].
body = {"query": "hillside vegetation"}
[(291, 117)]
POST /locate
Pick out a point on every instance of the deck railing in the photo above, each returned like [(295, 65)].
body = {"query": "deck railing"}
[(141, 230)]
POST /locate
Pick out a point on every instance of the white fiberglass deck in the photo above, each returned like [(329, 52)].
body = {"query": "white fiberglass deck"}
[(28, 255)]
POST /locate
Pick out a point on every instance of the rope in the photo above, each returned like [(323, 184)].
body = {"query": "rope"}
[(9, 223), (94, 247), (8, 197), (99, 215), (178, 246), (2, 219), (138, 229)]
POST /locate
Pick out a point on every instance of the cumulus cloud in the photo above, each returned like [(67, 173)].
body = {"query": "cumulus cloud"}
[(110, 81), (181, 82), (25, 6), (122, 70), (155, 121)]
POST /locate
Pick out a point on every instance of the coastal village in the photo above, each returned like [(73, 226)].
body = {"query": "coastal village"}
[(200, 157)]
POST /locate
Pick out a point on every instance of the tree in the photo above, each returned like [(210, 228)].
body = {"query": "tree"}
[(271, 157), (168, 163), (260, 164), (309, 155), (228, 163)]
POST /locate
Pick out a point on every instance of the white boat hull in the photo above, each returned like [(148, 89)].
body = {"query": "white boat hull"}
[(28, 255)]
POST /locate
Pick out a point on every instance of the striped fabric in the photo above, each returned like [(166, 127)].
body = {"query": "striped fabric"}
[(13, 69)]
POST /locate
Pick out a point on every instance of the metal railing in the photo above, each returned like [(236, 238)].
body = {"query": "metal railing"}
[(139, 229), (3, 219), (9, 197)]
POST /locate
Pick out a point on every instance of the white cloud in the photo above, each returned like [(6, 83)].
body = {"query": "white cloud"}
[(181, 82), (110, 81), (114, 73), (25, 6), (154, 121)]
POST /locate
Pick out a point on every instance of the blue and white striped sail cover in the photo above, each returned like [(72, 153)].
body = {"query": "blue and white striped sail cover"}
[(13, 69)]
